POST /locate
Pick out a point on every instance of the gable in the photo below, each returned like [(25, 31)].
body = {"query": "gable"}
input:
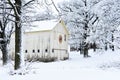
[(64, 26), (61, 27), (46, 25)]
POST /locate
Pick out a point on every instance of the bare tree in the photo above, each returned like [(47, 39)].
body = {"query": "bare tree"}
[(17, 7), (18, 32), (6, 29)]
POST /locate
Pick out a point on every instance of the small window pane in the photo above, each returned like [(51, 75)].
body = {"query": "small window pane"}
[(46, 50), (38, 50), (26, 51), (53, 50), (64, 37), (33, 51)]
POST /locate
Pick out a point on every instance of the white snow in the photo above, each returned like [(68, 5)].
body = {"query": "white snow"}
[(100, 66), (42, 25)]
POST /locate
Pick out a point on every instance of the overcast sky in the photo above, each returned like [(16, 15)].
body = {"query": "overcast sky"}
[(39, 7)]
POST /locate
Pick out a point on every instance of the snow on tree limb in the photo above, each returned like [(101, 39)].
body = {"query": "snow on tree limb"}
[(14, 7)]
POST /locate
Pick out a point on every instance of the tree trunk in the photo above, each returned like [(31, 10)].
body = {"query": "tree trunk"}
[(113, 49), (94, 47), (85, 45), (18, 36), (86, 50), (4, 50), (82, 51), (81, 48), (106, 48), (18, 48), (112, 41), (85, 35)]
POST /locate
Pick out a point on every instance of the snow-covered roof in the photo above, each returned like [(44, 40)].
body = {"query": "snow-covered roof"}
[(42, 25)]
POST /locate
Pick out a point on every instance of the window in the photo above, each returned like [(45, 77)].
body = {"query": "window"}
[(46, 50), (26, 51), (66, 51), (60, 38), (33, 51), (64, 37), (52, 50), (38, 50)]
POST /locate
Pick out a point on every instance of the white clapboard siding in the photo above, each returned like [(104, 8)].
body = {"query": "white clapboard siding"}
[(43, 40)]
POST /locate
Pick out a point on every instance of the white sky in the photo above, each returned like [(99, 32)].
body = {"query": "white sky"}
[(56, 2), (40, 8)]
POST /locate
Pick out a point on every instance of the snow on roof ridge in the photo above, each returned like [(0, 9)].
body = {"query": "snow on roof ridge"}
[(42, 25)]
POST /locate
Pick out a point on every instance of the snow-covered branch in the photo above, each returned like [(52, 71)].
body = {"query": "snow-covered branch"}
[(28, 3), (14, 7)]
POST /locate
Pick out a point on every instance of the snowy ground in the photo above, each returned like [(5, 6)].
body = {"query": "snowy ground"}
[(101, 66)]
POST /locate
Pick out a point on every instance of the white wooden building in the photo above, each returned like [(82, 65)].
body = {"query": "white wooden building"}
[(45, 40)]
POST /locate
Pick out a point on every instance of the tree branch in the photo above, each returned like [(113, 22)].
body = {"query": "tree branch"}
[(11, 31), (6, 8), (1, 25), (95, 20), (11, 20), (28, 3), (91, 17), (55, 6), (48, 3), (69, 9), (7, 17), (14, 7)]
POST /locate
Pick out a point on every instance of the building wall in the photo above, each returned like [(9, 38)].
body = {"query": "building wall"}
[(37, 44), (45, 44), (60, 46)]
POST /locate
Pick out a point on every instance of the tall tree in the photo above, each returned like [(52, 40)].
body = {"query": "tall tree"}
[(6, 29), (109, 21), (80, 14), (18, 7), (18, 33)]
